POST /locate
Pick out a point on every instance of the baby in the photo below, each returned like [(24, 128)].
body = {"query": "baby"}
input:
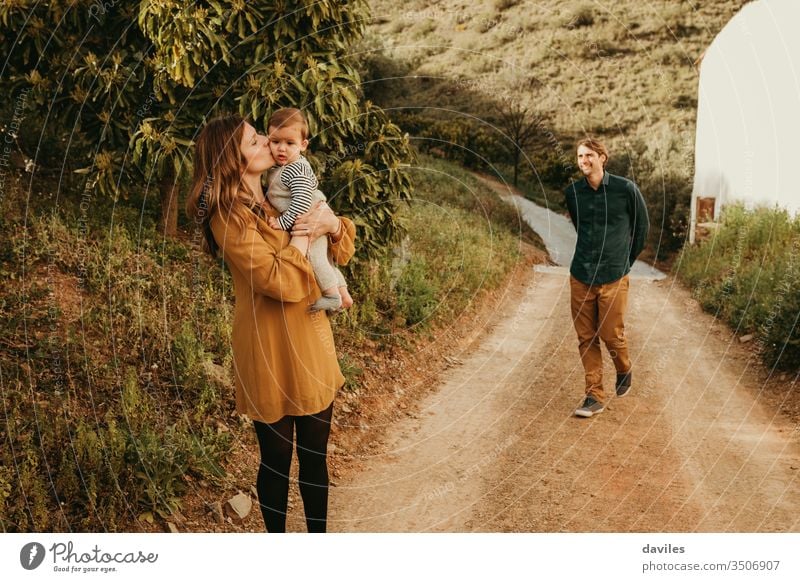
[(293, 188)]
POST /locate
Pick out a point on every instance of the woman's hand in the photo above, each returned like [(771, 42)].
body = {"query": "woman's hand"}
[(318, 221)]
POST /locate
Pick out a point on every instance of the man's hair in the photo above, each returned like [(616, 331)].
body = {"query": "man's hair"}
[(596, 146), (288, 117)]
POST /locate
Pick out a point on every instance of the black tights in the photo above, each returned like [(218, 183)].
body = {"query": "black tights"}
[(272, 484)]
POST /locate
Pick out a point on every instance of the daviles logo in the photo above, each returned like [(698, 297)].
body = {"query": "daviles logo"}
[(665, 549), (31, 555)]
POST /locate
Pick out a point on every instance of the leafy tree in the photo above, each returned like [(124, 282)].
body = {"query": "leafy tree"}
[(130, 83)]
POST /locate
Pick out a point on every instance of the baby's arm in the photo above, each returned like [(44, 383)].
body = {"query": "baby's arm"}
[(300, 180)]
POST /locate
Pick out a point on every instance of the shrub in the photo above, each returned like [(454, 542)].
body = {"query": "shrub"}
[(199, 390), (582, 15), (417, 295), (6, 486), (748, 274), (501, 5), (666, 192), (159, 464), (351, 372), (123, 441), (98, 452)]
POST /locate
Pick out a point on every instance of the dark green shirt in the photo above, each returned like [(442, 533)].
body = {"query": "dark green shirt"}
[(612, 228)]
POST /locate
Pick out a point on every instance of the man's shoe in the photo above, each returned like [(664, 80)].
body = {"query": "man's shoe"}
[(623, 384), (590, 407)]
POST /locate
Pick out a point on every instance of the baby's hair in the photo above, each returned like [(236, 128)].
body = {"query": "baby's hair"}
[(287, 117)]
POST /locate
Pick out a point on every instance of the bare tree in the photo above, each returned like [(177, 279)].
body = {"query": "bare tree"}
[(520, 124)]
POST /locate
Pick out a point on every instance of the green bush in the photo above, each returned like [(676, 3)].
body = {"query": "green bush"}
[(469, 250), (350, 370), (190, 357), (98, 356), (159, 466), (748, 274), (148, 330), (371, 313), (417, 295), (435, 272), (666, 192), (95, 476)]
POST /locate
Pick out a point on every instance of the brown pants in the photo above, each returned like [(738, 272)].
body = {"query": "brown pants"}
[(598, 312)]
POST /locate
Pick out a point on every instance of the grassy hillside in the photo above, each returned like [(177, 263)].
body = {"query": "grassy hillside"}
[(115, 358), (623, 71)]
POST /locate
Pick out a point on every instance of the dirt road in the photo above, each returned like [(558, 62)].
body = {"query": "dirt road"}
[(699, 445)]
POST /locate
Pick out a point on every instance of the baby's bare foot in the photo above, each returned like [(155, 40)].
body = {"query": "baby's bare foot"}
[(347, 301)]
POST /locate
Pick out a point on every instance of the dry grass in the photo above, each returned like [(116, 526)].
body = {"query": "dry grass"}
[(622, 70)]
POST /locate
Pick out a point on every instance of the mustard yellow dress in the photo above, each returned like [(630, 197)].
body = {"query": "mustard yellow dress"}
[(284, 358)]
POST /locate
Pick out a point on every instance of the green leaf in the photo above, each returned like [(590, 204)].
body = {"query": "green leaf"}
[(147, 516)]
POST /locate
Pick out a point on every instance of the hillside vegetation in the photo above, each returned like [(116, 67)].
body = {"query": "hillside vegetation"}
[(115, 357), (748, 275), (623, 71)]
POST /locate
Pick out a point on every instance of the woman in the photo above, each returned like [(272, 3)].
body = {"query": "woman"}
[(285, 366)]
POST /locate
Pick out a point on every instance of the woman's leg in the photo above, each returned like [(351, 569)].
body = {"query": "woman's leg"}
[(312, 450), (272, 483)]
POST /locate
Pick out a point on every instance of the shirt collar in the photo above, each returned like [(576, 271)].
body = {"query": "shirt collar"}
[(604, 181)]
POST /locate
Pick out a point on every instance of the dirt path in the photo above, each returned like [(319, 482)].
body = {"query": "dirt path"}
[(496, 448), (701, 443)]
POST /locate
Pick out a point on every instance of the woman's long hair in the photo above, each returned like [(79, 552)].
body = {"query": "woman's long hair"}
[(217, 184)]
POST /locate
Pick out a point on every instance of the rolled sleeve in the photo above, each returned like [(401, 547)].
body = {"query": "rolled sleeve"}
[(344, 249)]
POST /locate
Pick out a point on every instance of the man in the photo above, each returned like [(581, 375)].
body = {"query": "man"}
[(610, 216)]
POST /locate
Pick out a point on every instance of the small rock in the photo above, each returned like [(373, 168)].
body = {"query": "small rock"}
[(216, 511), (172, 527), (178, 517), (238, 507), (217, 375), (346, 409), (253, 491), (746, 338)]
